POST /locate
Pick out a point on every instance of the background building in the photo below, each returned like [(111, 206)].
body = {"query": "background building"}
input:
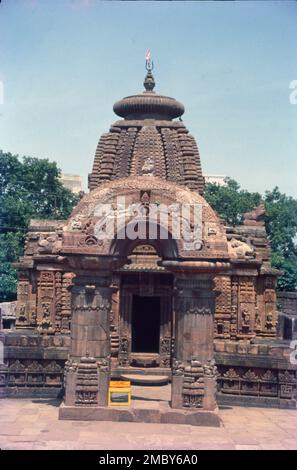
[(72, 182), (216, 179)]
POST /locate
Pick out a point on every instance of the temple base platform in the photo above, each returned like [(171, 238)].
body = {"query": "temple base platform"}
[(158, 413), (149, 404)]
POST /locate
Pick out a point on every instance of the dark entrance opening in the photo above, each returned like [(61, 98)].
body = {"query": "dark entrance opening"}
[(145, 324)]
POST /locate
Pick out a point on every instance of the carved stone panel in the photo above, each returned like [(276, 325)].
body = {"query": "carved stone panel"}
[(26, 304), (247, 306), (66, 302), (46, 302), (223, 307)]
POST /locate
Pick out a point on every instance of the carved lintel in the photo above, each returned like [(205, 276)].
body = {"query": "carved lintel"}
[(90, 289)]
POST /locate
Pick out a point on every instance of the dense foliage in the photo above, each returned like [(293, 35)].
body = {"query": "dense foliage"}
[(231, 202), (29, 188)]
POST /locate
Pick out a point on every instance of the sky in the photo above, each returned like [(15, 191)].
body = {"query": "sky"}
[(64, 63)]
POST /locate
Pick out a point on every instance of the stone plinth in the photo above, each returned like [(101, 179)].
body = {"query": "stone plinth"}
[(159, 413)]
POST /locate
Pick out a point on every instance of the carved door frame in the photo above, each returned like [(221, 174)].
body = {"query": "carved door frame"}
[(126, 356)]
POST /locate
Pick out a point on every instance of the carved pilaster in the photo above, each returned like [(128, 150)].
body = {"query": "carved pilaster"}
[(194, 309), (246, 307), (123, 351), (194, 376), (114, 316), (58, 301), (270, 311), (90, 326), (46, 304), (66, 302), (165, 351), (87, 371), (234, 307), (223, 310), (26, 304), (87, 383), (193, 385), (125, 333)]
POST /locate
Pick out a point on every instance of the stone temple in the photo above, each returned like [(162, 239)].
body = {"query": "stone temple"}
[(201, 311)]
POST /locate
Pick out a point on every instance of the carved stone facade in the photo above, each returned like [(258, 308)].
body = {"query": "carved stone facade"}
[(26, 378), (92, 307), (273, 384)]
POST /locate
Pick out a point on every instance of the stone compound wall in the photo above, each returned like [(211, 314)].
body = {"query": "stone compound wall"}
[(33, 365), (248, 373), (287, 302), (287, 317), (256, 373)]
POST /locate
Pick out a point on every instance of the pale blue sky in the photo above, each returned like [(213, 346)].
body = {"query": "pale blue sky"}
[(64, 63)]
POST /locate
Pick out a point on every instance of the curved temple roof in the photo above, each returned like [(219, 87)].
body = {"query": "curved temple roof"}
[(148, 142)]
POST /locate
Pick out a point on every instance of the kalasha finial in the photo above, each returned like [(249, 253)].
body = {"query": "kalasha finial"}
[(149, 81)]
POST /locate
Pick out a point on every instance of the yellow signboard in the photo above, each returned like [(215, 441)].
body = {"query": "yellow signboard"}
[(119, 393), (120, 383)]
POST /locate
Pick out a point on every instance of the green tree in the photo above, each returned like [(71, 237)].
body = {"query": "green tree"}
[(231, 202), (281, 222), (288, 265), (29, 188), (281, 226)]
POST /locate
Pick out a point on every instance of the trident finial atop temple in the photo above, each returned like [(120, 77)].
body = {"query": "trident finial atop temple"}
[(149, 81), (149, 65)]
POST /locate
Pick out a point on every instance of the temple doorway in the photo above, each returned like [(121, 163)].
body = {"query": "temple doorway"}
[(143, 320), (146, 315)]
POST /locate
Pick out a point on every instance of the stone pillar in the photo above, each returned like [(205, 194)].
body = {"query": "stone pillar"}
[(194, 371), (87, 371)]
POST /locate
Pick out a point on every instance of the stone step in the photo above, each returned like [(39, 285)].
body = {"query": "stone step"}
[(129, 370), (139, 379)]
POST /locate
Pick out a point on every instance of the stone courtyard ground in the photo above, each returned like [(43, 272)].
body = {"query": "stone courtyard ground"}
[(33, 424)]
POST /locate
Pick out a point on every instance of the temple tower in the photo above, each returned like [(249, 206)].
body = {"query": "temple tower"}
[(159, 289), (148, 140)]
